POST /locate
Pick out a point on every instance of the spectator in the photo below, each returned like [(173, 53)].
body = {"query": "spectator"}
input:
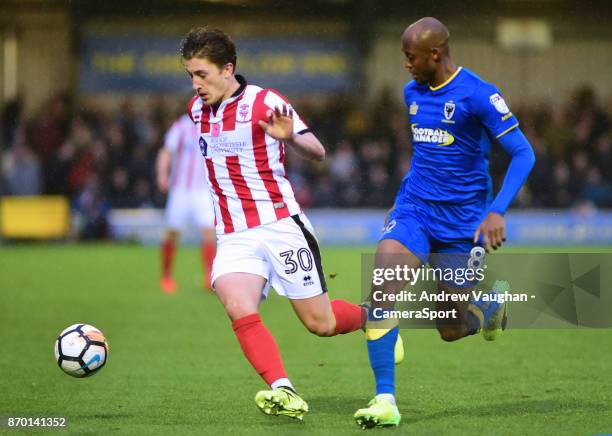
[(91, 209), (21, 168), (104, 158)]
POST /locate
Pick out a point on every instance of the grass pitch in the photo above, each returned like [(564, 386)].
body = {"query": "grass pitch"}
[(175, 366)]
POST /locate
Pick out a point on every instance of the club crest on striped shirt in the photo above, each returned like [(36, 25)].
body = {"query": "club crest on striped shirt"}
[(216, 129), (244, 111)]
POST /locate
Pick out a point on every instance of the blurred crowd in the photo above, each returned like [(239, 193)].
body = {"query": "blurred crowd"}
[(104, 159)]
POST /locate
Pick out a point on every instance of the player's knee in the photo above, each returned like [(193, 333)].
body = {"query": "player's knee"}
[(450, 334), (320, 326), (235, 313), (236, 309)]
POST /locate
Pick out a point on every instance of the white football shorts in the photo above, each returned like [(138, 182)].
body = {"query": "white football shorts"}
[(185, 207), (285, 253)]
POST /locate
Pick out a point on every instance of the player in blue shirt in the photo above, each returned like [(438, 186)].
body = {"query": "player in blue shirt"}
[(444, 207)]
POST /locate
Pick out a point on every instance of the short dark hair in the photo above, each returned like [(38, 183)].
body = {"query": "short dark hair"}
[(214, 44)]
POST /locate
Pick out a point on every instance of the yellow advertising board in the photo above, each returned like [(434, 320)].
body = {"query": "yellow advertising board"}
[(38, 217)]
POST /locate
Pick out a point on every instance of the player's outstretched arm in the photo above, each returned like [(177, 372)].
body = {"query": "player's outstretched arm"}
[(308, 146), (280, 127), (493, 228)]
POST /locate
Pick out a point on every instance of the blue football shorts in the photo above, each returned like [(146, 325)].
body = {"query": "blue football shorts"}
[(434, 241)]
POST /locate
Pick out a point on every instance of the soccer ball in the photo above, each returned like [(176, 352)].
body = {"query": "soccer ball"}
[(81, 350)]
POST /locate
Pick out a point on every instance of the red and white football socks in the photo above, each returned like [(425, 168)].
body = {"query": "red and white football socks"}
[(168, 249), (261, 350), (349, 317)]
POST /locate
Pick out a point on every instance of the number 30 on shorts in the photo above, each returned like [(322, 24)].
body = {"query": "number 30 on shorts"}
[(304, 259)]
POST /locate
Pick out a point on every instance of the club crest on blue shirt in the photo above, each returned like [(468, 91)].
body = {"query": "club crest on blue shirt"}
[(414, 108), (449, 109), (203, 146)]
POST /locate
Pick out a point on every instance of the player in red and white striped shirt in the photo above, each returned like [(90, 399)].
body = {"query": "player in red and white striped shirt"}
[(245, 166), (263, 238), (181, 173)]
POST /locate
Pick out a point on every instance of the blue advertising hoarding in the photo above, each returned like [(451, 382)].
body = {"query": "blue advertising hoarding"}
[(363, 227), (151, 64)]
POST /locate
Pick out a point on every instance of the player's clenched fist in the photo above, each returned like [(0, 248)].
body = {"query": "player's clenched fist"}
[(493, 230)]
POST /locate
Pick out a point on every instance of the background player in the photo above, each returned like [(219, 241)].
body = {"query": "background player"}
[(263, 237), (181, 173), (444, 204)]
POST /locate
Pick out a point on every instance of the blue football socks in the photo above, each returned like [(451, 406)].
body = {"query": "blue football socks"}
[(381, 352)]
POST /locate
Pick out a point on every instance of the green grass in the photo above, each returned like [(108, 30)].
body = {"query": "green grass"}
[(175, 366)]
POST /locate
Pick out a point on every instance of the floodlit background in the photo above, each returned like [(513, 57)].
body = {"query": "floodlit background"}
[(87, 90)]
